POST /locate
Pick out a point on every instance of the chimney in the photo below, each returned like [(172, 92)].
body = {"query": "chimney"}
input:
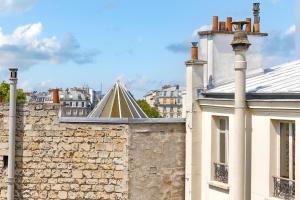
[(55, 95), (215, 24), (194, 50), (256, 11), (222, 26), (228, 24), (248, 26)]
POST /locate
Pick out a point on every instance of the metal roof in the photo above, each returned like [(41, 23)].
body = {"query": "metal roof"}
[(117, 103), (281, 79)]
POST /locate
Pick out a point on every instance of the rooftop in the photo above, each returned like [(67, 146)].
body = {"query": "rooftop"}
[(281, 79)]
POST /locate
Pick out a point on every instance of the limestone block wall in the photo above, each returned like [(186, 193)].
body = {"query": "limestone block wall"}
[(83, 160), (157, 161), (65, 161)]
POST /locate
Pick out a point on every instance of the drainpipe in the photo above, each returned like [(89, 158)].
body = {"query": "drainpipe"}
[(194, 82), (240, 45), (12, 131)]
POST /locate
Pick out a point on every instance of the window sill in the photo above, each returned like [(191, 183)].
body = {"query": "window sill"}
[(220, 185)]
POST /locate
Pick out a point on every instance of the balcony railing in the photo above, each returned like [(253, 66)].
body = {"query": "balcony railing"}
[(284, 188), (221, 172)]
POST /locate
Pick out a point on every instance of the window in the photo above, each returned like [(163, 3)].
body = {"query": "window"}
[(5, 162), (71, 103), (164, 100), (172, 93), (284, 180), (171, 109), (220, 149), (165, 93), (82, 104), (76, 104), (164, 109)]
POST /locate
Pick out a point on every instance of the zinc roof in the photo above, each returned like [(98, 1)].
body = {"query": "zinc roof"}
[(283, 78)]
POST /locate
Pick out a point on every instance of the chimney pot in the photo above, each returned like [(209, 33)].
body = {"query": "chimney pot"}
[(55, 95), (215, 26), (194, 50), (256, 11), (248, 26), (222, 26), (228, 24)]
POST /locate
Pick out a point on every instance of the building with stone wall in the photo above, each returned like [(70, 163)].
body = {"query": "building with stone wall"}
[(80, 158)]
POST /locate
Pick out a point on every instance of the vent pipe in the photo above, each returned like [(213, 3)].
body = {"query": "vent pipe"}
[(240, 45), (215, 25), (256, 11), (12, 133)]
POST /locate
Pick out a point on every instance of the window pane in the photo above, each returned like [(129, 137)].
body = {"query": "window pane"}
[(222, 148), (284, 150)]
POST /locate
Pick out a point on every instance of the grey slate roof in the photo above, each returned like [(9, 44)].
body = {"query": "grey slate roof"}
[(117, 103), (279, 79)]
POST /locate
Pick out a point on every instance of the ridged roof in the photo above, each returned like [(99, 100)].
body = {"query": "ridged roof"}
[(283, 78), (117, 103)]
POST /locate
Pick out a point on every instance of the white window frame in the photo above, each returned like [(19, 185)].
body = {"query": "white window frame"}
[(226, 132), (291, 171)]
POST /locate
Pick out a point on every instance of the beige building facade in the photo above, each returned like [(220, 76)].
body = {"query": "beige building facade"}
[(242, 121)]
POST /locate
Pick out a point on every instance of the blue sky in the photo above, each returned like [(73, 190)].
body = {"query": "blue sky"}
[(65, 43)]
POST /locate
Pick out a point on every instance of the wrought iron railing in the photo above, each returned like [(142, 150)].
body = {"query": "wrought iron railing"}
[(284, 188), (221, 172)]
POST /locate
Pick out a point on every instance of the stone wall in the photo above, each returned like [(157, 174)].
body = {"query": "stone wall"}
[(156, 161), (82, 160)]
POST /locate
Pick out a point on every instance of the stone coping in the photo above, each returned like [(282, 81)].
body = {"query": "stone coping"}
[(121, 120)]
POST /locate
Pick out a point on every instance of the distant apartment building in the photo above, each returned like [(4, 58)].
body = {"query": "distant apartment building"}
[(168, 101), (76, 101)]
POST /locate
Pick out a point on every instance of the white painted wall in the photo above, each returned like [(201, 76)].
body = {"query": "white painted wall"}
[(208, 192), (218, 53), (259, 162), (262, 149)]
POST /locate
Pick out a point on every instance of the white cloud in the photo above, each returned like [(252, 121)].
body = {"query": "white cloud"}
[(298, 30), (202, 28), (280, 47), (26, 47), (16, 6), (291, 30), (28, 86)]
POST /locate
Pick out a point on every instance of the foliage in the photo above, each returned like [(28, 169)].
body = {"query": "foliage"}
[(4, 93), (150, 111)]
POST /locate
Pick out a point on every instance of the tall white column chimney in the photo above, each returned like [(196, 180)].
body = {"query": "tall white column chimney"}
[(12, 131), (240, 45), (194, 83)]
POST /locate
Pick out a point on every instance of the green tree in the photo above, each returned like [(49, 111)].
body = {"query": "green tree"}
[(4, 93), (150, 111)]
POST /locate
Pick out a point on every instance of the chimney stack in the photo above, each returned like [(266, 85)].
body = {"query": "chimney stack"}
[(55, 95), (248, 26), (228, 24), (256, 11), (215, 25), (194, 50)]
